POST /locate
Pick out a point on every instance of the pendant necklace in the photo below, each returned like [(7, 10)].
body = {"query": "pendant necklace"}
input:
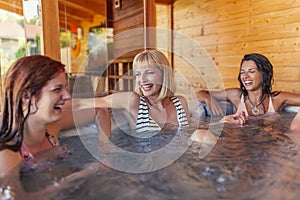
[(255, 110), (53, 141)]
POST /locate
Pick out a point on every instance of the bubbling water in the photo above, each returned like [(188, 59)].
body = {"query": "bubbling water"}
[(254, 161)]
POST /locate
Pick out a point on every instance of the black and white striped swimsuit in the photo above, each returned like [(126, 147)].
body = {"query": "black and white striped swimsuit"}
[(146, 123)]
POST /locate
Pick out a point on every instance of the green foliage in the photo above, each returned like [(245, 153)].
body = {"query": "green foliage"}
[(21, 22), (64, 39), (38, 43), (33, 20), (21, 52)]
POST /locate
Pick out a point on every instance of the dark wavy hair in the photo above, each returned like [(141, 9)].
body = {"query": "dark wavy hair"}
[(26, 76), (264, 65)]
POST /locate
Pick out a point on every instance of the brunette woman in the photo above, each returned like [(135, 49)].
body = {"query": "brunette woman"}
[(255, 95)]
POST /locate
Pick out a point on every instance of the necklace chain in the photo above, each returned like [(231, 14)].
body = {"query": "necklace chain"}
[(51, 139), (255, 110)]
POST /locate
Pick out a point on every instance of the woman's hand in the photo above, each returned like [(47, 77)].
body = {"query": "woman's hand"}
[(214, 107), (237, 118), (212, 104)]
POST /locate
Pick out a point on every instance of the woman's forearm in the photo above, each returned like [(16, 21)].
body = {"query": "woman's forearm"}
[(295, 124), (202, 96)]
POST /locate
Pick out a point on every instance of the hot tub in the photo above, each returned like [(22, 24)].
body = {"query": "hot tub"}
[(254, 161)]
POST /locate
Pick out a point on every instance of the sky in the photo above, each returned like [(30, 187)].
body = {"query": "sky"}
[(30, 10), (3, 15)]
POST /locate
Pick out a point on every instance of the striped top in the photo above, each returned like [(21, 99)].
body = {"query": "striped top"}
[(146, 123)]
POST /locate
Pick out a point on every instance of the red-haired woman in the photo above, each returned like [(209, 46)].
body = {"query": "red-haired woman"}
[(32, 115)]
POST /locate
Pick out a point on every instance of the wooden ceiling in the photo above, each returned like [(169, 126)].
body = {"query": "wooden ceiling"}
[(71, 12)]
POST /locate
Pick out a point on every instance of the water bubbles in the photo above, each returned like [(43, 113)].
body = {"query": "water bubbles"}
[(219, 177), (212, 172), (6, 193), (221, 180)]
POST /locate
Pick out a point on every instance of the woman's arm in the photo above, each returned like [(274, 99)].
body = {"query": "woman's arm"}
[(103, 122), (295, 124), (116, 100), (237, 118), (286, 98), (211, 99), (211, 102), (82, 111), (77, 118)]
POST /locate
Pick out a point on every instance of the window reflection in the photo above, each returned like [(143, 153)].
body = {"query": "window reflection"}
[(12, 38), (31, 11)]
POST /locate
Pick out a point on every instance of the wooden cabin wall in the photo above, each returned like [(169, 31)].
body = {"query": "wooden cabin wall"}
[(129, 16), (228, 29)]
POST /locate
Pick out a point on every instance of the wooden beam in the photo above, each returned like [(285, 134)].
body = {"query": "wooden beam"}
[(150, 22), (76, 13), (109, 14), (50, 43), (65, 21), (150, 13), (94, 7), (71, 12), (168, 2), (75, 16), (14, 6)]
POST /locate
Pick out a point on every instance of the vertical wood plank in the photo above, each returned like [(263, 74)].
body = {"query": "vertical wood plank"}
[(150, 21), (50, 43)]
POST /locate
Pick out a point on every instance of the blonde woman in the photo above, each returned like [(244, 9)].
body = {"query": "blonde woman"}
[(153, 105)]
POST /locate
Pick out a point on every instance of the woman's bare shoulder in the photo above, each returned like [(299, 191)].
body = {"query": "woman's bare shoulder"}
[(133, 99), (181, 98), (183, 101), (288, 98), (11, 159), (133, 96)]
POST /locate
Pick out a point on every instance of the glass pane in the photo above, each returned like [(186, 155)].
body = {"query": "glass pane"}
[(84, 40), (12, 38), (31, 9)]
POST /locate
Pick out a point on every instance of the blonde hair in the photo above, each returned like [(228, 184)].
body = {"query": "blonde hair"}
[(154, 57)]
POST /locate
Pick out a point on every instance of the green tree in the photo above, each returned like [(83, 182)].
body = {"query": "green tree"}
[(21, 22), (38, 43), (33, 20), (64, 38), (21, 52)]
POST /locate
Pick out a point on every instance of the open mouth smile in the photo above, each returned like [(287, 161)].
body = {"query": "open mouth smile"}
[(146, 87)]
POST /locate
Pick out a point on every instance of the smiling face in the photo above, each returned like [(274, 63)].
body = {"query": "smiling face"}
[(160, 75), (149, 80), (52, 97), (250, 76)]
